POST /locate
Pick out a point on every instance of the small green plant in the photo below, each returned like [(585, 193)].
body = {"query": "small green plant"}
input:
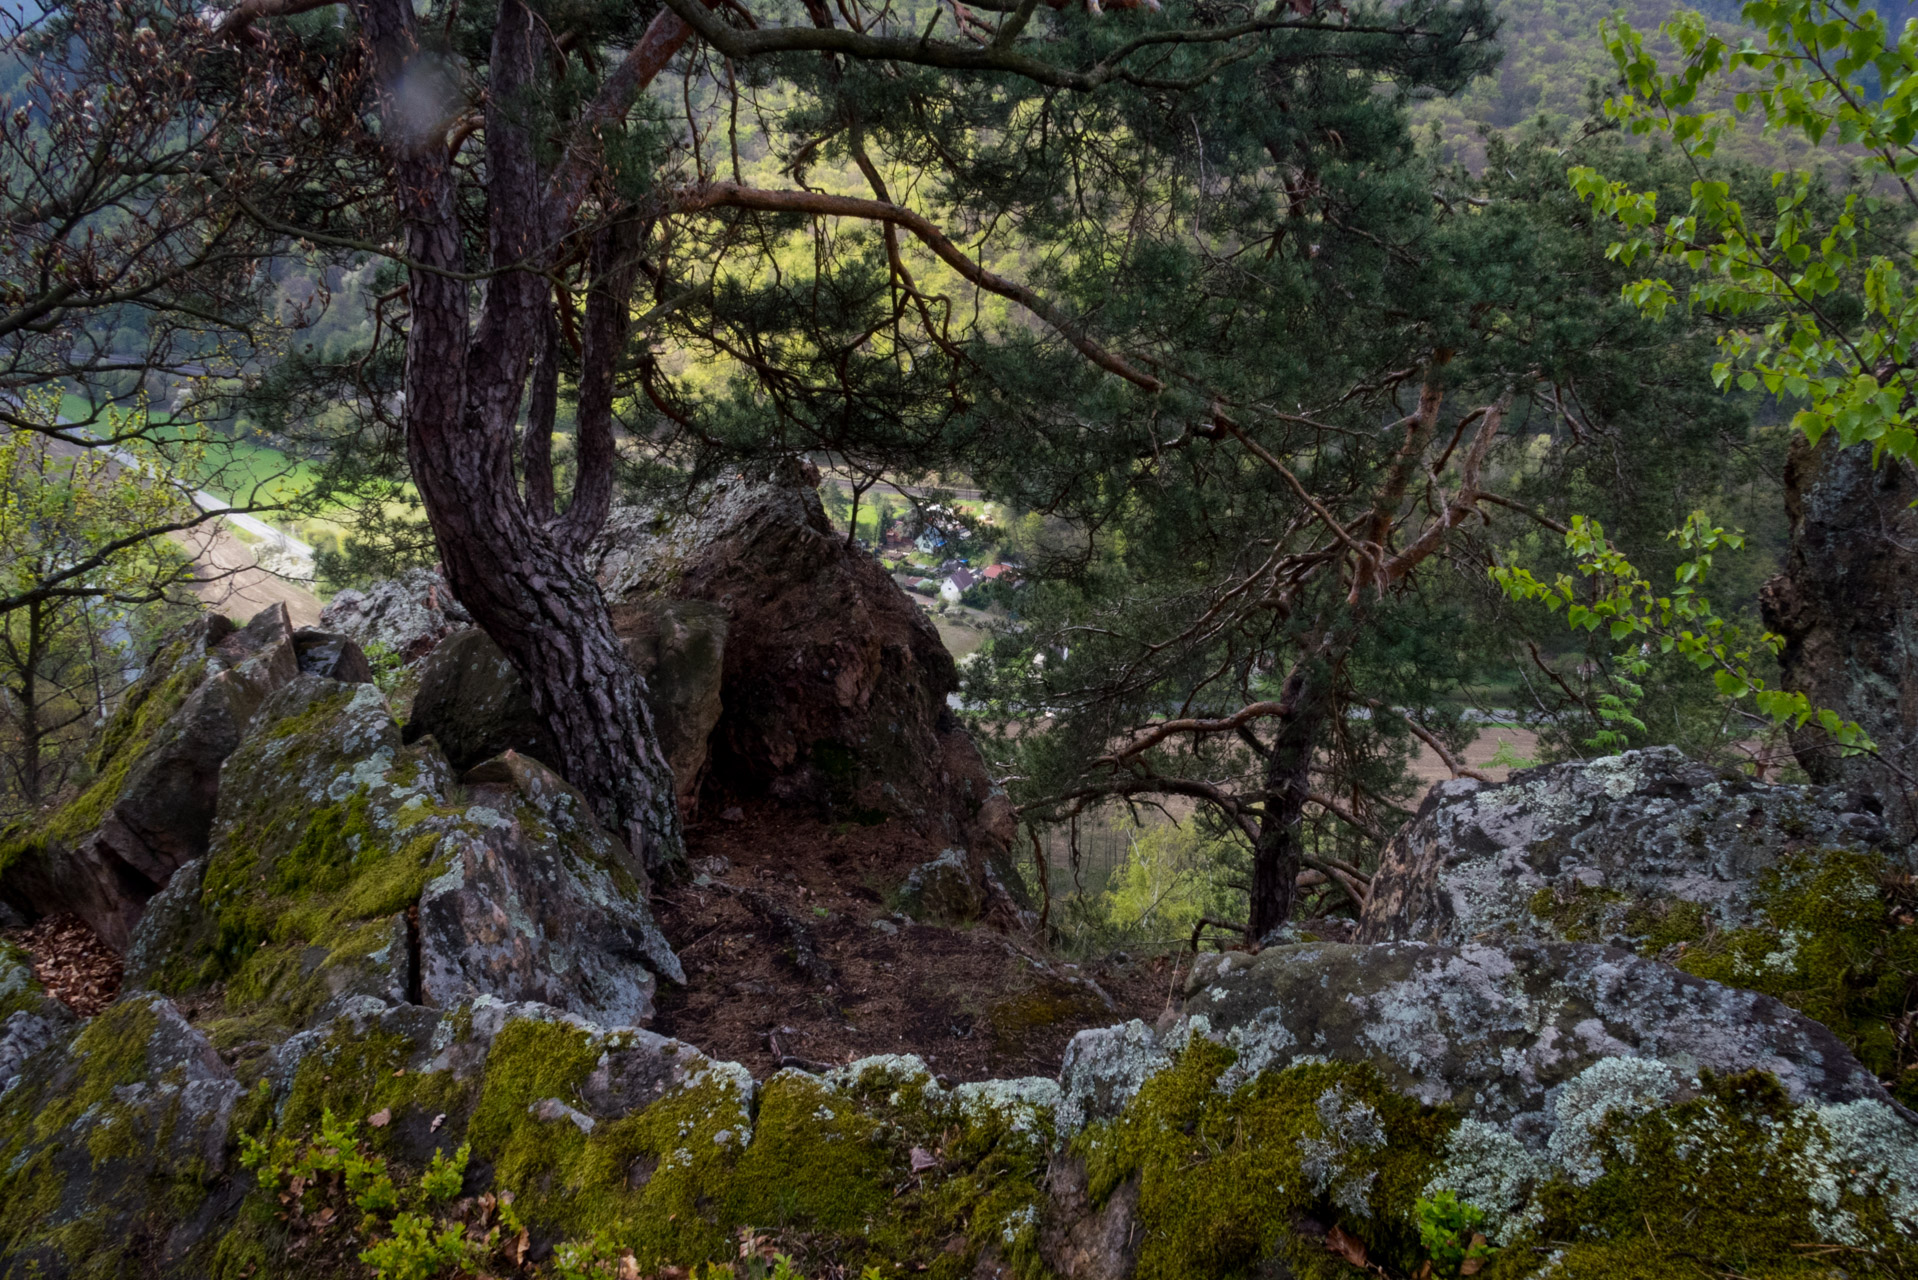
[(303, 1167), (314, 1179), (444, 1176), (1507, 757), (417, 1251), (387, 666), (1449, 1230)]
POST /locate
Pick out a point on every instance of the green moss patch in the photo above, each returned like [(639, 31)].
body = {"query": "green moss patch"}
[(142, 711), (1226, 1179), (1735, 1182), (1582, 914), (1837, 939)]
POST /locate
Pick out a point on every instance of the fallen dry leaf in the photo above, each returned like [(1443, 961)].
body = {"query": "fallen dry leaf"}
[(1473, 1265), (438, 1120), (1348, 1247), (628, 1266), (70, 961), (381, 1118), (923, 1160)]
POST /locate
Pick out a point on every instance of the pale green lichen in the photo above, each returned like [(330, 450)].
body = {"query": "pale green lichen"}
[(1833, 939), (1609, 1091)]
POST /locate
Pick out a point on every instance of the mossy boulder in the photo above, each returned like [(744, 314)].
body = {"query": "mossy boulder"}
[(1622, 850), (1492, 1031), (156, 766), (1834, 935), (945, 889), (328, 830), (1213, 1170), (30, 1021), (513, 1139), (604, 1142), (347, 866), (114, 1147)]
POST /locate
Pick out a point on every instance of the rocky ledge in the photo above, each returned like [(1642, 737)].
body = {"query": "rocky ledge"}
[(390, 1022), (387, 999)]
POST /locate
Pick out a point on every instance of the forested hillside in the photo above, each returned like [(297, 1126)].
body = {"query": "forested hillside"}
[(1554, 62)]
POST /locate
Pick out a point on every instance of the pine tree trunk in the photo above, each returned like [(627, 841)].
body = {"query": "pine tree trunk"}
[(518, 570), (1276, 855)]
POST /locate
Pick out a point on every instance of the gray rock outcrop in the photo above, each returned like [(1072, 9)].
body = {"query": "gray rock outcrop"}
[(1496, 1031), (1597, 851), (158, 761), (138, 1101), (347, 866), (539, 905), (404, 616)]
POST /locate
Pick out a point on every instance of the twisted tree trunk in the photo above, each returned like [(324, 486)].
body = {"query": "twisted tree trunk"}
[(516, 566)]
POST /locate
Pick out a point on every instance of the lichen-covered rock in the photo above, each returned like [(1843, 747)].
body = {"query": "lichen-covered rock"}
[(835, 684), (112, 1148), (404, 616), (158, 761), (30, 1021), (537, 902), (474, 704), (347, 865), (1210, 1169), (625, 1143), (1600, 851), (328, 829), (945, 889), (1498, 1031)]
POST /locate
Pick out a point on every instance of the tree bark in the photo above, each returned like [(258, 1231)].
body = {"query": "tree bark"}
[(542, 407), (521, 574), (1846, 602), (1278, 852)]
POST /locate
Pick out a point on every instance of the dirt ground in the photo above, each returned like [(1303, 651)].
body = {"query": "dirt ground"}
[(1428, 768), (230, 582), (793, 958)]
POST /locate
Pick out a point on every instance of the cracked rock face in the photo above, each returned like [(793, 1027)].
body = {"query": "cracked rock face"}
[(1497, 1031), (537, 902), (1596, 851), (406, 616), (347, 866)]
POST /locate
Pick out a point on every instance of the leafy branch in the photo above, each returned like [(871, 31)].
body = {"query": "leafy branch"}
[(1618, 597)]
